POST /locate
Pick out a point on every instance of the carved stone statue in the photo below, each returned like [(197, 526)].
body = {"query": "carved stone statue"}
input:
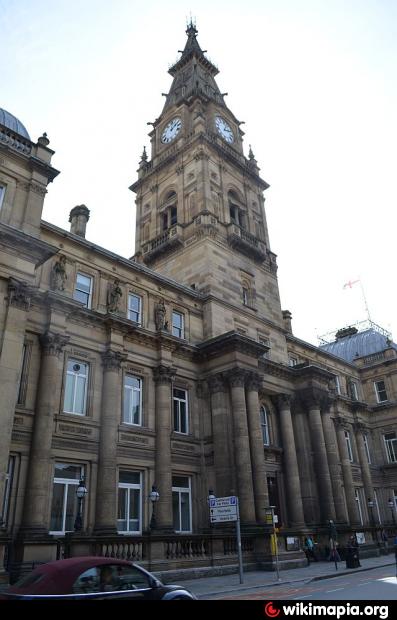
[(114, 295), (159, 315), (58, 275)]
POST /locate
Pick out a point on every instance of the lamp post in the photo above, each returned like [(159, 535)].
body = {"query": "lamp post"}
[(81, 493), (154, 497), (371, 515), (275, 542), (391, 506)]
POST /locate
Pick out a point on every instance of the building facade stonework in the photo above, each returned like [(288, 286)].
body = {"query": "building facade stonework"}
[(176, 369)]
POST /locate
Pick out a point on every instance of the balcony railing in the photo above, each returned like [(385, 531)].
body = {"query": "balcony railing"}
[(15, 141), (246, 243), (166, 242)]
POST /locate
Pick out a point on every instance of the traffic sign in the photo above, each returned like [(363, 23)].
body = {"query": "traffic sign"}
[(223, 509)]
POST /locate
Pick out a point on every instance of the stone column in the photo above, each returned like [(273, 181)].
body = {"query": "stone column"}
[(324, 485), (38, 484), (352, 509), (10, 368), (333, 463), (261, 497), (362, 456), (306, 470), (223, 469), (291, 471), (106, 493), (163, 377), (242, 447)]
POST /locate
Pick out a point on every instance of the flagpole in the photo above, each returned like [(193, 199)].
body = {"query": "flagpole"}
[(365, 301)]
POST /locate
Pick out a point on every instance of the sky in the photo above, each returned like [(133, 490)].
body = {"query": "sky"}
[(313, 80)]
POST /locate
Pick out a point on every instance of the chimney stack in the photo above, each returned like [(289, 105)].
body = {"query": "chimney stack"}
[(79, 217), (287, 317)]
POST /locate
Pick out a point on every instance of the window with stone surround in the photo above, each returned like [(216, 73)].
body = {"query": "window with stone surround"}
[(178, 324), (180, 411), (135, 308), (182, 504), (83, 289), (349, 446), (132, 405), (390, 440), (2, 194), (366, 446), (380, 390), (23, 378), (64, 498), (265, 426), (76, 387), (129, 508), (7, 491)]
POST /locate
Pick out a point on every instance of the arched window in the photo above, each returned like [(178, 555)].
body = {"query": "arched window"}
[(236, 211), (169, 213), (265, 426)]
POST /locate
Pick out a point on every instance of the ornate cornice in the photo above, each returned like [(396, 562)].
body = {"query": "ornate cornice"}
[(163, 374), (29, 248), (276, 370), (112, 360), (52, 343), (19, 294), (231, 341)]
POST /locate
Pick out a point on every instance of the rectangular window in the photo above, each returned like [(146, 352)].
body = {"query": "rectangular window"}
[(2, 194), (64, 498), (129, 509), (83, 289), (173, 215), (380, 390), (358, 500), (349, 446), (377, 507), (245, 297), (135, 308), (23, 378), (353, 390), (76, 387), (177, 325), (337, 385), (132, 410), (292, 361), (391, 447), (180, 411), (366, 446), (181, 504), (265, 426), (7, 492)]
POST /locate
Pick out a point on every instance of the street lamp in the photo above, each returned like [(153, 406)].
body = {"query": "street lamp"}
[(211, 495), (81, 493), (333, 535), (371, 515), (154, 497), (391, 506)]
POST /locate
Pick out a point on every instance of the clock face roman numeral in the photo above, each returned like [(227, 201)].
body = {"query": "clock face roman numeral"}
[(171, 130), (224, 129)]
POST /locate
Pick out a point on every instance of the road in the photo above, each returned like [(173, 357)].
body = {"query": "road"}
[(375, 584)]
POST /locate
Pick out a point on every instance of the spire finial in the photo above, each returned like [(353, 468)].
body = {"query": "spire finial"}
[(250, 153), (143, 157), (191, 27)]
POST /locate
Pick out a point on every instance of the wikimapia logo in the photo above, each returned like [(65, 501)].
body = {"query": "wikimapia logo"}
[(308, 609)]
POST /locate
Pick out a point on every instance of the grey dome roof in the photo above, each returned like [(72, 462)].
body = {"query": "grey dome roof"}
[(362, 343), (11, 122)]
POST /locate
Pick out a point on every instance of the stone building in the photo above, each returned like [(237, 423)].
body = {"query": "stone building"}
[(176, 369)]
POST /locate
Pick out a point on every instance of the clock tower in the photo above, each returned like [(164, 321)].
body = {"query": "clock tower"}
[(200, 205)]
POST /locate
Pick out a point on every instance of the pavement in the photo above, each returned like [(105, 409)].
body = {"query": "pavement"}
[(222, 585)]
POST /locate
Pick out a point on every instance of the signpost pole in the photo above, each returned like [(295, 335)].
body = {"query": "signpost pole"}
[(240, 555), (275, 543)]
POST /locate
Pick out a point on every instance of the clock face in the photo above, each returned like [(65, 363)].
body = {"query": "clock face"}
[(171, 130), (224, 129)]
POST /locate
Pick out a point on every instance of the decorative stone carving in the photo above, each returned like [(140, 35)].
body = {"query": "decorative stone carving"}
[(216, 384), (159, 315), (112, 360), (254, 382), (114, 295), (163, 374), (237, 378), (53, 344), (19, 294), (284, 401), (58, 274)]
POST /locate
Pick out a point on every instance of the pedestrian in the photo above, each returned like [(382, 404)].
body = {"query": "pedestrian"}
[(352, 554), (310, 549), (385, 540)]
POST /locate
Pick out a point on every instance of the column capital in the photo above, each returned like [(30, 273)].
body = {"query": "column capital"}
[(283, 401), (112, 360), (19, 294), (359, 427), (312, 397), (163, 374), (52, 343), (216, 384), (341, 423), (236, 377), (254, 382)]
